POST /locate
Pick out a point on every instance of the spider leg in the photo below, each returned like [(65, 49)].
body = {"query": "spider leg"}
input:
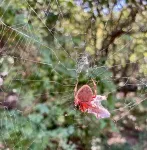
[(95, 87), (75, 89)]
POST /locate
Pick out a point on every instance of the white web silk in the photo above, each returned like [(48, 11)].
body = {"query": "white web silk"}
[(97, 109)]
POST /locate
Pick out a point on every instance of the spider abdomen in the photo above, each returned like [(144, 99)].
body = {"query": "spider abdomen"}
[(84, 93)]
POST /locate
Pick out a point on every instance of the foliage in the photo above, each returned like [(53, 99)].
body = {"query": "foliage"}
[(40, 41)]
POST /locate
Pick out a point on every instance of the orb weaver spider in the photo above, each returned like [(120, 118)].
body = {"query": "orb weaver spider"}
[(89, 101)]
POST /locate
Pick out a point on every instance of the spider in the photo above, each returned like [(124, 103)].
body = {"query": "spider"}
[(89, 101)]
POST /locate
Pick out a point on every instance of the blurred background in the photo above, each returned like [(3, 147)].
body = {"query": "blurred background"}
[(45, 47)]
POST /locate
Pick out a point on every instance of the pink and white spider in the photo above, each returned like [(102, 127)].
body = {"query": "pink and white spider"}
[(89, 101)]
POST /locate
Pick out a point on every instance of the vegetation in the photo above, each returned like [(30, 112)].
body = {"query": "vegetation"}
[(45, 47)]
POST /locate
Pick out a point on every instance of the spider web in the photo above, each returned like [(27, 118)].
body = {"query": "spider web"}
[(30, 54)]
